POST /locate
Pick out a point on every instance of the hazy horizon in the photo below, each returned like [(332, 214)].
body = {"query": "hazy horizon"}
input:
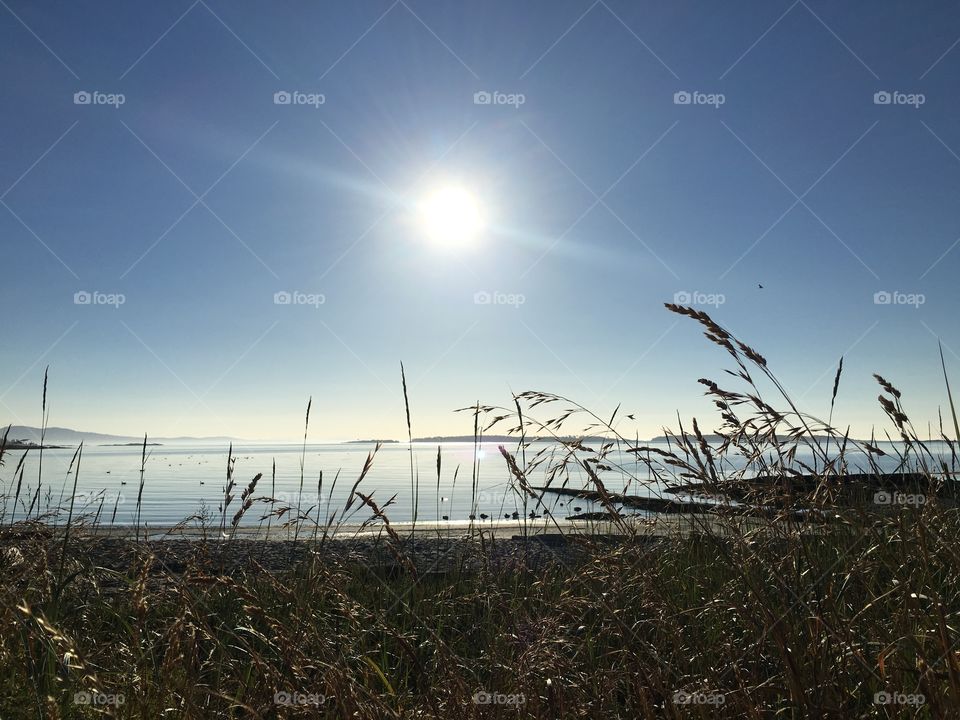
[(211, 213)]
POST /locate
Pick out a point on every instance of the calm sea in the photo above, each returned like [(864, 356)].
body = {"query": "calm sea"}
[(182, 479)]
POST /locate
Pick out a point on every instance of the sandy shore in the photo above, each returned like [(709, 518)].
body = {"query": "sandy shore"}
[(431, 549)]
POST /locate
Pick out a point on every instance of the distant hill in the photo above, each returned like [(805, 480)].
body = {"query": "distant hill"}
[(68, 436)]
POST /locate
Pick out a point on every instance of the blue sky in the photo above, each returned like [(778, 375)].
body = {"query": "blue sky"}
[(199, 198)]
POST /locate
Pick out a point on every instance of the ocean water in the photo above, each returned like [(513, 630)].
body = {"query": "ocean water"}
[(180, 480)]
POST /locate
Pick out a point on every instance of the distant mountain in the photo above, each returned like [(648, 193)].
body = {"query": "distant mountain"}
[(67, 436)]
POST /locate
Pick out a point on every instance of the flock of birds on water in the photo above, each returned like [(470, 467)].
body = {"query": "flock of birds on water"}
[(514, 515)]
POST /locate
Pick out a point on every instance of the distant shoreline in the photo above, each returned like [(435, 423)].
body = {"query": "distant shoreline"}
[(641, 524), (34, 446), (61, 441), (131, 444)]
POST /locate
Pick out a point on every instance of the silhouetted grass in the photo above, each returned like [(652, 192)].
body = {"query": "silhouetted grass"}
[(800, 594)]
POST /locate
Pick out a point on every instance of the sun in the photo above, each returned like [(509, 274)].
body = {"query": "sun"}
[(451, 216)]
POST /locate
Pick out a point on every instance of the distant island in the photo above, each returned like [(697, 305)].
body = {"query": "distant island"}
[(714, 439), (129, 444), (30, 445), (710, 438), (366, 442), (57, 438), (71, 438)]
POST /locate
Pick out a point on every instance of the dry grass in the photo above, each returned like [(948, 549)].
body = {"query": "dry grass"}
[(819, 603)]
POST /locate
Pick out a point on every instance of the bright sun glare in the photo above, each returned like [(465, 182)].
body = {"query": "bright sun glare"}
[(451, 216)]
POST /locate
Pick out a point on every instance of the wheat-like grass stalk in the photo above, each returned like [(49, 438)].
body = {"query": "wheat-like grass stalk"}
[(303, 457)]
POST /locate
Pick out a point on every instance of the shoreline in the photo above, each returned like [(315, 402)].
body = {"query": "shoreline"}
[(653, 525), (166, 556)]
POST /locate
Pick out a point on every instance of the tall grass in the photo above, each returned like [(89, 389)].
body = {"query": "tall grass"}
[(806, 587), (143, 470), (414, 477), (43, 434)]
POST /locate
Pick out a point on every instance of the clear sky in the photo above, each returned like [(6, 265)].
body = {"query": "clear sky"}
[(601, 194)]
